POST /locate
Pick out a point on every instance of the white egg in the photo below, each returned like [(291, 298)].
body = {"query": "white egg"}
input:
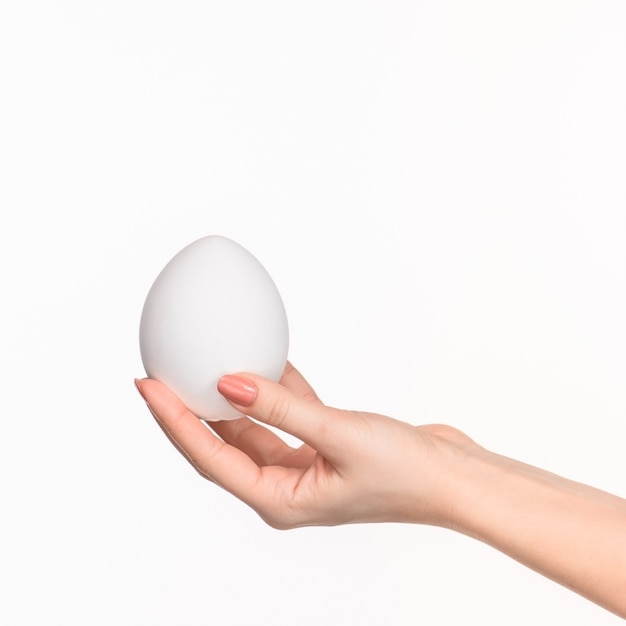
[(213, 310)]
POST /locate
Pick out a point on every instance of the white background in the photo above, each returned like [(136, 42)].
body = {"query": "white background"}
[(437, 189)]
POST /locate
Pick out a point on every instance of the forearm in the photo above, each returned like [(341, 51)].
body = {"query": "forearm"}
[(570, 532)]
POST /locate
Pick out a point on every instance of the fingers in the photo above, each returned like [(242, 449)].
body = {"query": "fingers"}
[(292, 379), (262, 445), (224, 464), (321, 427)]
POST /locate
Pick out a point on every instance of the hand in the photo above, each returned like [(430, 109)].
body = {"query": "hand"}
[(352, 466), (362, 467)]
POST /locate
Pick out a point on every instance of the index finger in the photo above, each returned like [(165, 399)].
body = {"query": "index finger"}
[(224, 464), (293, 379), (322, 428)]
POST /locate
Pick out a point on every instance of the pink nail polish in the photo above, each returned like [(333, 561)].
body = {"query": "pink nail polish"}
[(138, 385), (237, 389)]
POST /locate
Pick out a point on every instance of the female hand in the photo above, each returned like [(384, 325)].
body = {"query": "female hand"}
[(362, 467), (352, 466)]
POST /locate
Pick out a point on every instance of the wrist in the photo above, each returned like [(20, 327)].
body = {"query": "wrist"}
[(451, 471), (476, 486)]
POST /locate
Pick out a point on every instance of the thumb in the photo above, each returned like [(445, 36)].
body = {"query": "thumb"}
[(313, 423)]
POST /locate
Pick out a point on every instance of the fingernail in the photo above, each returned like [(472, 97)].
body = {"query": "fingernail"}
[(237, 389), (138, 385)]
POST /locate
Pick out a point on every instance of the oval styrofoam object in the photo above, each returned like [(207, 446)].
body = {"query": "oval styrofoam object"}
[(212, 310)]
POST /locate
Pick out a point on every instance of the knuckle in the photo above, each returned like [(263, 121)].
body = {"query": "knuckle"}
[(277, 411), (203, 463)]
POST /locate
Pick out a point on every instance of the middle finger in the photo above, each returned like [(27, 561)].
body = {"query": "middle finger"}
[(262, 445)]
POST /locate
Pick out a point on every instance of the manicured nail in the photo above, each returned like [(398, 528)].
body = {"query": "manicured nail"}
[(138, 385), (237, 389)]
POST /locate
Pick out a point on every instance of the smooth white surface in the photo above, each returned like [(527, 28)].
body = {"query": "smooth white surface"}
[(437, 188), (212, 310)]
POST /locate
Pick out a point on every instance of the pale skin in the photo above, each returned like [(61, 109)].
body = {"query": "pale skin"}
[(362, 467)]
